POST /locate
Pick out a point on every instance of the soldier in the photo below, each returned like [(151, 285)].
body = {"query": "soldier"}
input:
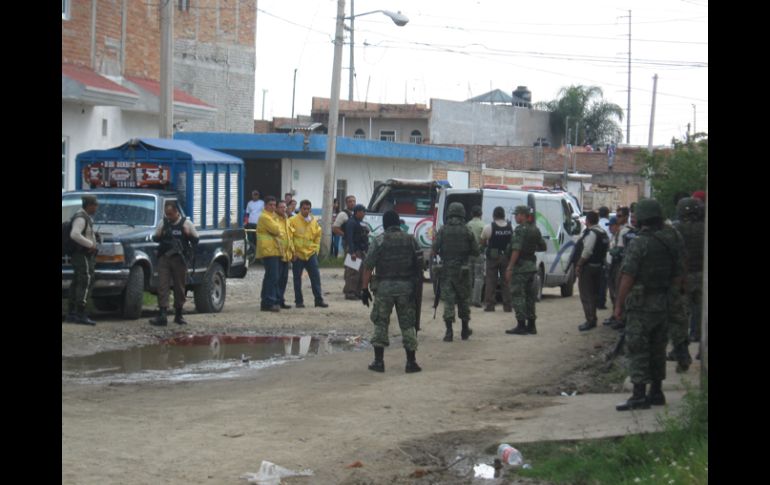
[(83, 260), (686, 299), (396, 258), (651, 267), (477, 262), (520, 273), (176, 235), (455, 243)]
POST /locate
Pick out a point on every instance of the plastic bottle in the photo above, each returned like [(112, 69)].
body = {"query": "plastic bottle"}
[(509, 455)]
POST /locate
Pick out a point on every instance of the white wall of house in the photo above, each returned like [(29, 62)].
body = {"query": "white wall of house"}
[(306, 177), (81, 127)]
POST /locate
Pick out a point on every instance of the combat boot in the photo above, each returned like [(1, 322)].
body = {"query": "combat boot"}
[(178, 318), (411, 362), (521, 328), (638, 399), (465, 332), (160, 320), (657, 398), (587, 326), (531, 329), (449, 334), (378, 365), (683, 357), (81, 317)]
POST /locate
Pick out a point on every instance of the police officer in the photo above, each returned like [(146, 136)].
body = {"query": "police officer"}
[(455, 243), (83, 260), (177, 236), (396, 259), (496, 237), (590, 266), (357, 244), (651, 267), (686, 299), (520, 273)]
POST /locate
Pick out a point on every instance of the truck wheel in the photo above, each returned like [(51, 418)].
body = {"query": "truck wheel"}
[(133, 294), (537, 283), (569, 287), (210, 294)]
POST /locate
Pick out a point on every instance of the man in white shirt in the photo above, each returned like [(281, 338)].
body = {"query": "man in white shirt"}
[(253, 210)]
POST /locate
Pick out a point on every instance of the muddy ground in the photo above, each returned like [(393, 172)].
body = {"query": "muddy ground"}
[(326, 412)]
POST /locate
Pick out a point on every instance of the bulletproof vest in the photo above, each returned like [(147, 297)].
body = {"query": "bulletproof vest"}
[(628, 237), (501, 236), (456, 240), (88, 231), (397, 258), (657, 268), (600, 248), (173, 239), (529, 244), (360, 235), (693, 234)]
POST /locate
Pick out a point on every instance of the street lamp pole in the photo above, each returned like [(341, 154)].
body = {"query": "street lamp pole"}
[(352, 57)]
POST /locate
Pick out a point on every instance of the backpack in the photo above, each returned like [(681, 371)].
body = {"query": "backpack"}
[(68, 246)]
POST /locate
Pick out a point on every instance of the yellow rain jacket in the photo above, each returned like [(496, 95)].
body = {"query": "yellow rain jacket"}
[(285, 239), (268, 232), (306, 236)]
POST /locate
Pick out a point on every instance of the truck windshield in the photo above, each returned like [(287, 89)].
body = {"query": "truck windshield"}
[(128, 209)]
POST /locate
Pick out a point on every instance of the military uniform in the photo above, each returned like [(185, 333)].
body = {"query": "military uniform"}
[(476, 225), (653, 260), (455, 243), (526, 239)]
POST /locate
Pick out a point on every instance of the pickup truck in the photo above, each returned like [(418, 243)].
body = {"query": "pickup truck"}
[(132, 183)]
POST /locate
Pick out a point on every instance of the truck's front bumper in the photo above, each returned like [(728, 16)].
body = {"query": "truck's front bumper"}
[(107, 282)]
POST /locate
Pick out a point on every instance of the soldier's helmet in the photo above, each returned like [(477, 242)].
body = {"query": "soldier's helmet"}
[(522, 209), (689, 209), (648, 209), (456, 209)]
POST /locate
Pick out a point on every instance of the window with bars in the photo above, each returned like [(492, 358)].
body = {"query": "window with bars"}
[(387, 135), (183, 5), (360, 134), (415, 137)]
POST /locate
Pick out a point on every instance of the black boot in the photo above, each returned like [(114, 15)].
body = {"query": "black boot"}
[(465, 332), (638, 399), (531, 329), (81, 317), (449, 334), (378, 365), (657, 398), (178, 318), (411, 363), (587, 326), (521, 328), (160, 320), (683, 357)]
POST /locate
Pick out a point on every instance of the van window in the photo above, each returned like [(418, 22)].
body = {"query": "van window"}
[(405, 201), (467, 200)]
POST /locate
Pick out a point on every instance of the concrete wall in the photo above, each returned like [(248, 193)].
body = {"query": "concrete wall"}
[(360, 174), (458, 122), (402, 127), (82, 125)]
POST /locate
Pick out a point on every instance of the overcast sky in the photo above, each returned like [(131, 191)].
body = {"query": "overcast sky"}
[(463, 48)]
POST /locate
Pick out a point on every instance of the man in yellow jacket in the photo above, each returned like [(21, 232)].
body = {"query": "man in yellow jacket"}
[(286, 246), (268, 249), (306, 235)]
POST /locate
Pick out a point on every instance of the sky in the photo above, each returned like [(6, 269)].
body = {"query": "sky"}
[(463, 48)]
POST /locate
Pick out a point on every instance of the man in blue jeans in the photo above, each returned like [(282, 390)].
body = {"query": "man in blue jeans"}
[(306, 234), (268, 249)]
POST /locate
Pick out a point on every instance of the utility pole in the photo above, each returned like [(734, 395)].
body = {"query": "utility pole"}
[(704, 323), (264, 91), (293, 92), (694, 131), (652, 114), (166, 115), (628, 107), (352, 57)]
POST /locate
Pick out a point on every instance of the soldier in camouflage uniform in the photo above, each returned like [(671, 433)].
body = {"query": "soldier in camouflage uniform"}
[(686, 299), (521, 270), (477, 263), (396, 258), (651, 267), (455, 243)]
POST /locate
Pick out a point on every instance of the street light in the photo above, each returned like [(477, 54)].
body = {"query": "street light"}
[(398, 19), (334, 108)]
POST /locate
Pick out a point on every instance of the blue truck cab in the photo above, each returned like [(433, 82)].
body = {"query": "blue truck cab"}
[(132, 182)]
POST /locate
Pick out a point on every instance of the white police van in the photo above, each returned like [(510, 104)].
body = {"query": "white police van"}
[(557, 215)]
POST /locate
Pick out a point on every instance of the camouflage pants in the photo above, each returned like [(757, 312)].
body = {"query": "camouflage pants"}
[(523, 295), (83, 266), (646, 337), (405, 309), (456, 290), (678, 317), (477, 276), (695, 300)]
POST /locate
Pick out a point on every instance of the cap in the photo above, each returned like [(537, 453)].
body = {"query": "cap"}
[(613, 220)]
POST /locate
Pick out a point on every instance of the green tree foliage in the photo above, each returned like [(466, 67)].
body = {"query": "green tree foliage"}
[(596, 118), (682, 169)]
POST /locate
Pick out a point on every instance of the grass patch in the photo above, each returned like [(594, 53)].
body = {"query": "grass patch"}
[(677, 455)]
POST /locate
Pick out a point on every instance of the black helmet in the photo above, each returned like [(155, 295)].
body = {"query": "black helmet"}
[(456, 209), (648, 209), (689, 208)]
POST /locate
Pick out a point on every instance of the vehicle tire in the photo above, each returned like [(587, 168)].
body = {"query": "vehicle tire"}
[(133, 295), (538, 282), (568, 288), (109, 304), (211, 292)]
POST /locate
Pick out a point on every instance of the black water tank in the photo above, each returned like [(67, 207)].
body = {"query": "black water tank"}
[(523, 93)]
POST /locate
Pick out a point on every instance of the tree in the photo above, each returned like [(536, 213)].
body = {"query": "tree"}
[(583, 104), (681, 169)]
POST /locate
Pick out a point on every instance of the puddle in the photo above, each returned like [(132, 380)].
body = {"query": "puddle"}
[(198, 357)]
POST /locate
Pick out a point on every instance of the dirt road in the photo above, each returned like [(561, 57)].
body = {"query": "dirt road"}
[(328, 411)]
